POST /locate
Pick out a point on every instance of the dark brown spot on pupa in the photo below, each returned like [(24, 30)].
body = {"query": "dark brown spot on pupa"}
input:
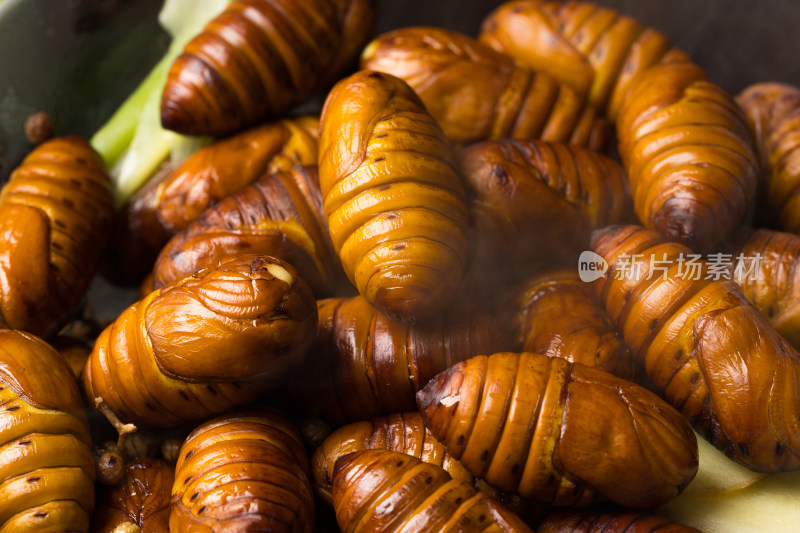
[(694, 378), (459, 500), (385, 187), (460, 442), (24, 442), (14, 408), (40, 515), (744, 450), (499, 173), (653, 324), (628, 67), (378, 159), (600, 51), (399, 463), (34, 479), (201, 510), (428, 480), (375, 76), (194, 496), (628, 296), (485, 455), (398, 247)]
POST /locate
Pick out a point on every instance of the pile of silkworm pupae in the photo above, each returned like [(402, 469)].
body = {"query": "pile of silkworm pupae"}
[(380, 313)]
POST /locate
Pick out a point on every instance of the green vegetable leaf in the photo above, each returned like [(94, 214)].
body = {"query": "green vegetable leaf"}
[(132, 143)]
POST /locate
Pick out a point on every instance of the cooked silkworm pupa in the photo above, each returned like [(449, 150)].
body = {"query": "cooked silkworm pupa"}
[(246, 471), (210, 341), (597, 51), (705, 348), (364, 364), (47, 481), (259, 58), (421, 497), (478, 94), (56, 212), (393, 198), (560, 432)]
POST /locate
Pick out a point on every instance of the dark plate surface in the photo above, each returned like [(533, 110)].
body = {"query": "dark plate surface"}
[(75, 59)]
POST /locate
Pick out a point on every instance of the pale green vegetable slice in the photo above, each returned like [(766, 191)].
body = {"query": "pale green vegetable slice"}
[(133, 143), (725, 497)]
